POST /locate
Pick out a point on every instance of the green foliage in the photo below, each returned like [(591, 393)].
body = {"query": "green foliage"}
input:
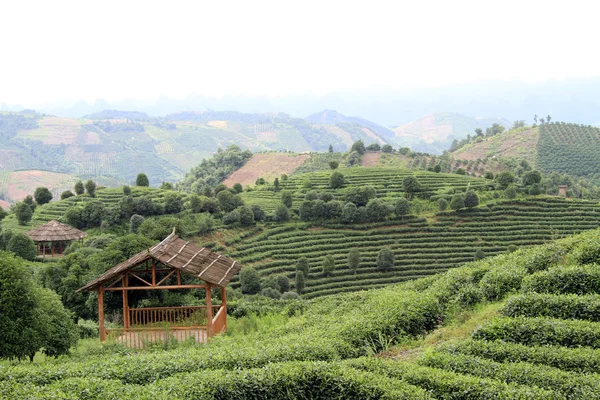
[(385, 260), (66, 194), (358, 147), (246, 216), (92, 213), (239, 189), (205, 224), (23, 212), (479, 254), (411, 185), (142, 180), (328, 265), (258, 212), (284, 283), (166, 186), (173, 203), (287, 198), (387, 148), (79, 188), (22, 246), (228, 201), (302, 265), (567, 306), (282, 213), (460, 171), (458, 201), (336, 180), (42, 195), (535, 189), (360, 195), (377, 210), (442, 204), (90, 188), (250, 281), (5, 235), (353, 260), (402, 207), (531, 177), (572, 279), (73, 217), (504, 179), (300, 280), (334, 164), (135, 222), (510, 192), (126, 190), (471, 199)]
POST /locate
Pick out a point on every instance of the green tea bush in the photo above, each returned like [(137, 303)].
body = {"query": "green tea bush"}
[(576, 279), (554, 306)]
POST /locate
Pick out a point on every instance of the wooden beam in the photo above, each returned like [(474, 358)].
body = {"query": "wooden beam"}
[(224, 306), (101, 329), (209, 316), (157, 287), (125, 302), (153, 272), (143, 280), (166, 277)]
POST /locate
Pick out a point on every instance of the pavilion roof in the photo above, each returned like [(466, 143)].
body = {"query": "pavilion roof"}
[(55, 231), (183, 255)]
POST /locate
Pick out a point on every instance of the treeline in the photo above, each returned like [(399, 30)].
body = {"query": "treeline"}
[(119, 127), (11, 123)]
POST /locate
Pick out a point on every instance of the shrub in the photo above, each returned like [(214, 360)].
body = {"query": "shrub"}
[(587, 251), (126, 190), (302, 265), (287, 198), (246, 216), (284, 283), (572, 279), (5, 236), (66, 194), (238, 187), (328, 265), (134, 223), (271, 293), (282, 213), (142, 180), (387, 148), (471, 199), (334, 164), (336, 180), (385, 260), (458, 201), (79, 188), (299, 282), (290, 296), (535, 189), (510, 192), (442, 204), (402, 207), (22, 245), (479, 254), (498, 282), (567, 306), (353, 260), (90, 188), (23, 212), (231, 218), (173, 203), (42, 195), (250, 281)]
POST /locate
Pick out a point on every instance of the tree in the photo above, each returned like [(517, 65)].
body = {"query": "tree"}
[(437, 168), (90, 188), (471, 199), (134, 222), (66, 194), (328, 265), (334, 164), (239, 189), (460, 171), (385, 260), (377, 210), (275, 184), (282, 213), (458, 201), (205, 224), (548, 118), (353, 260), (387, 148), (93, 213), (531, 177), (79, 189), (478, 132), (250, 281), (246, 215), (145, 206), (442, 204), (504, 179), (350, 213), (336, 180), (300, 282), (411, 185), (22, 245), (126, 190), (30, 202), (302, 265), (510, 192), (535, 189), (173, 203), (361, 195), (518, 124), (73, 217), (166, 186), (330, 149), (535, 118), (22, 212), (56, 331), (219, 188), (374, 147), (231, 218), (259, 213), (287, 198), (228, 201), (358, 147), (283, 282), (142, 180), (42, 195), (3, 214), (402, 207), (488, 175), (479, 254)]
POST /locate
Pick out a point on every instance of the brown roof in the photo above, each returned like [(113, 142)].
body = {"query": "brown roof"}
[(182, 255), (54, 231)]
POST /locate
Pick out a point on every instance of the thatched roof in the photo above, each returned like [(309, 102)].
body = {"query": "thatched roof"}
[(179, 254), (54, 231)]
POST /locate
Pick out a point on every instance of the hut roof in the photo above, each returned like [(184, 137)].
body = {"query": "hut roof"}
[(179, 254), (55, 231)]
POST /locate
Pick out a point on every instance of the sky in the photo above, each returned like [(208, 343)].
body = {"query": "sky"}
[(56, 51)]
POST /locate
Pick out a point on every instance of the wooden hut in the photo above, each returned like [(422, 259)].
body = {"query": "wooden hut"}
[(53, 238), (161, 268)]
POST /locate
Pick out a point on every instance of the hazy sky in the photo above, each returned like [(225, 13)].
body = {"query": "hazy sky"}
[(115, 50)]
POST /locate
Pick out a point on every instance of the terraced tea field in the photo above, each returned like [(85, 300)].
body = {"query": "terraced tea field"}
[(421, 247), (386, 181)]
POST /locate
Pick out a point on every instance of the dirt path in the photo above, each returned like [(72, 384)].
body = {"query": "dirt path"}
[(370, 159)]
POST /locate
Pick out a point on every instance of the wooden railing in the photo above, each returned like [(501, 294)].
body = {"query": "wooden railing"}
[(220, 321), (177, 316), (144, 336)]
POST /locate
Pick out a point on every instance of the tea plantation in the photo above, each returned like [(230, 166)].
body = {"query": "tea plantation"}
[(544, 344), (421, 246)]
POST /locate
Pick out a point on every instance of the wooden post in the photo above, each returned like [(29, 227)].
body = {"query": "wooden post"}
[(101, 314), (52, 247), (224, 307), (125, 283), (153, 272), (209, 316)]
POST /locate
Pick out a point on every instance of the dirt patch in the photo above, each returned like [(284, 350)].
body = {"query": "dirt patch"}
[(370, 159), (217, 124), (424, 128), (269, 136), (267, 166), (23, 183), (373, 136), (5, 205)]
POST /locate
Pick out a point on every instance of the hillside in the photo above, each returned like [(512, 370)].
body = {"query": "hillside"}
[(267, 166), (530, 313), (433, 133)]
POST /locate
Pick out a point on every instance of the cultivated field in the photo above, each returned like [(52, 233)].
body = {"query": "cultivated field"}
[(268, 166), (23, 183)]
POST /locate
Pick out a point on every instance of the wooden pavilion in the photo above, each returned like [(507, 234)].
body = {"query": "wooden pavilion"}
[(53, 238), (161, 268)]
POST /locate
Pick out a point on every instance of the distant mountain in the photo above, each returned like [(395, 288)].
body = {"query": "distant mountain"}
[(433, 133)]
